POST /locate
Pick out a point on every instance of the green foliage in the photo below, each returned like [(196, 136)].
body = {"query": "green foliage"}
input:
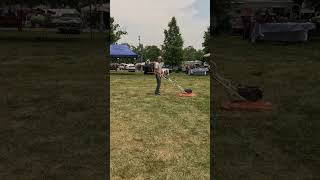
[(151, 52), (173, 44), (206, 42), (221, 19), (191, 54), (139, 50), (114, 32), (314, 3), (199, 55), (148, 52)]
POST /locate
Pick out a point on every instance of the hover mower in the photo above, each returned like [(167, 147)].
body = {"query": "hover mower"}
[(243, 97), (184, 92)]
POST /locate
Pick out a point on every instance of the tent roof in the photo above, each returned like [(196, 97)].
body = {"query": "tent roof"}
[(124, 51)]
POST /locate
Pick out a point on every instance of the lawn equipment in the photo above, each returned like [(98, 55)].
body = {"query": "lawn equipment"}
[(184, 92), (244, 98)]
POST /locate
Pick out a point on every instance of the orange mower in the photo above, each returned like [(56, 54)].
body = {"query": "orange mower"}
[(243, 97)]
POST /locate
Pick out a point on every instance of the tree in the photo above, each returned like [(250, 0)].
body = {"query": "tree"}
[(139, 50), (114, 33), (206, 41), (313, 3), (173, 44), (151, 52), (199, 55), (221, 19), (191, 54)]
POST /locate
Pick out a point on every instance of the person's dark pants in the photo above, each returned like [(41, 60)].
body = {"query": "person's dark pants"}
[(246, 31), (158, 84)]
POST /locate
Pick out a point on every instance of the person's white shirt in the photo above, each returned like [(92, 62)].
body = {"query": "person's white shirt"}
[(158, 68)]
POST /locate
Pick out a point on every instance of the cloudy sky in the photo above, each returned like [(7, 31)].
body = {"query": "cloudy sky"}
[(149, 18)]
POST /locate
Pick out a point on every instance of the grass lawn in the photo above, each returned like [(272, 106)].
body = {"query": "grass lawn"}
[(283, 144), (159, 137), (52, 107)]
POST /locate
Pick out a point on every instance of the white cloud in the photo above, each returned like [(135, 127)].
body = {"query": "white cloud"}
[(149, 18)]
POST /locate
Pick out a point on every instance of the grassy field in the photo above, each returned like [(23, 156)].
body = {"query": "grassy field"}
[(283, 144), (52, 113), (159, 137)]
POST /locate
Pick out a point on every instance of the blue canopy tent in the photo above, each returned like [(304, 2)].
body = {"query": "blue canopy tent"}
[(121, 51)]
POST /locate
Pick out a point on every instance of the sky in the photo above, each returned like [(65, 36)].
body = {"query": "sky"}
[(149, 18)]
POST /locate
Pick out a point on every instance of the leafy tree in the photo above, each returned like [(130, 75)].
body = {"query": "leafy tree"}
[(139, 50), (221, 19), (114, 32), (189, 53), (314, 3), (206, 42), (199, 55), (173, 44), (151, 52)]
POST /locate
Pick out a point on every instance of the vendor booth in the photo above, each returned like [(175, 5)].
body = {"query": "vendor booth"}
[(121, 51), (285, 32)]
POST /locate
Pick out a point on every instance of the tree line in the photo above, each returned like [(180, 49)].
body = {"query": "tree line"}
[(171, 50)]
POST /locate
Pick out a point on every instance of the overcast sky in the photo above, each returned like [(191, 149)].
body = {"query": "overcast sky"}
[(149, 18)]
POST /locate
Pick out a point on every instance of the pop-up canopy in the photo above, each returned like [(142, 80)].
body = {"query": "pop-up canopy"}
[(121, 51)]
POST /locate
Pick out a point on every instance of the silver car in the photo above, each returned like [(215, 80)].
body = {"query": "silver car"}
[(68, 23)]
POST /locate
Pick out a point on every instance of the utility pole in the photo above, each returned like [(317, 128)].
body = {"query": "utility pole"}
[(139, 39), (141, 50)]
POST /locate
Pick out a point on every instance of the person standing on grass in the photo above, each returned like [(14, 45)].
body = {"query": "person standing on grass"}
[(158, 72), (246, 16)]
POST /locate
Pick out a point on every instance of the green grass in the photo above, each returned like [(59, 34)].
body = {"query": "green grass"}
[(283, 144), (52, 108), (159, 137)]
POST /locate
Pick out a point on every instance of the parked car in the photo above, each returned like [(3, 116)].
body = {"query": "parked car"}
[(148, 68), (121, 66), (131, 68), (206, 65), (166, 71), (114, 66), (200, 71), (139, 66), (39, 20), (68, 23), (167, 67), (127, 65)]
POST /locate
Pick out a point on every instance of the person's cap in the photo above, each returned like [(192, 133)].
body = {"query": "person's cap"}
[(159, 58)]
